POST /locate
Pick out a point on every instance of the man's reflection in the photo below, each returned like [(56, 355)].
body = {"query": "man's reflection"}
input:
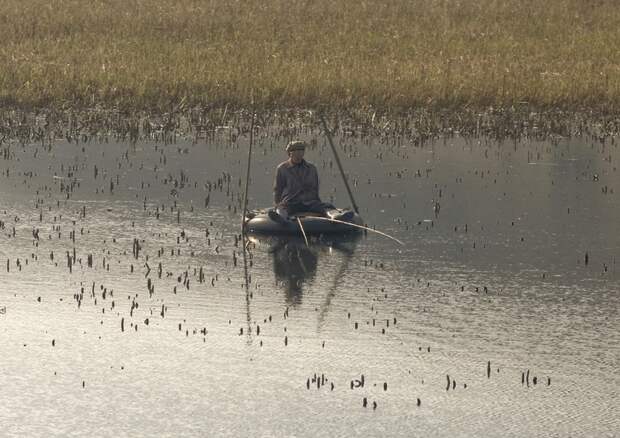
[(293, 264)]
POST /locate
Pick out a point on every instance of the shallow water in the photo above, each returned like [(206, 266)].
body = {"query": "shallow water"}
[(491, 286)]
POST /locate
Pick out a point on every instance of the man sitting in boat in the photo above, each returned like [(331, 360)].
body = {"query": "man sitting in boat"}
[(296, 188)]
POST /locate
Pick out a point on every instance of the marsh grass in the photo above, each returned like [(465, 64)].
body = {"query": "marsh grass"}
[(295, 53)]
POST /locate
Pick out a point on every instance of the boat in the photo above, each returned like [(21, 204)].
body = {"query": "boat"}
[(259, 222), (304, 223)]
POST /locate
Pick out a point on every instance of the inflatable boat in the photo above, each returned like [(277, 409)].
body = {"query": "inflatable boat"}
[(259, 222)]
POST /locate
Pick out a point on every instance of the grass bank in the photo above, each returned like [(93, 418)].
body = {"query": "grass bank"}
[(150, 54)]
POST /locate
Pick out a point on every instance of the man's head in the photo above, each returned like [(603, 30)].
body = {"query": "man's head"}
[(296, 151)]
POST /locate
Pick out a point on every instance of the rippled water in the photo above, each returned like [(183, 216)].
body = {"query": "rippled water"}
[(509, 270)]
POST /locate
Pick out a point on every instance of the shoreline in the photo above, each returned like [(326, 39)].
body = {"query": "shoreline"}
[(402, 59), (417, 125)]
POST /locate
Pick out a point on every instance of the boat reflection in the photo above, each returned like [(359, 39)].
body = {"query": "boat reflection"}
[(295, 262)]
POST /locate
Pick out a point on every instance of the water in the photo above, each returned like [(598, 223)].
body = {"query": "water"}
[(492, 283)]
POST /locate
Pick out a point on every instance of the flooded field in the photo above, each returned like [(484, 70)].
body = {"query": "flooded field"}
[(124, 309)]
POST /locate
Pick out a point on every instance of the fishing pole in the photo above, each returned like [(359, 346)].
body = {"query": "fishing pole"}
[(359, 226), (302, 230)]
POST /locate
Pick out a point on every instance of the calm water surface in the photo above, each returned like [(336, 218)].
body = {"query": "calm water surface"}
[(509, 274)]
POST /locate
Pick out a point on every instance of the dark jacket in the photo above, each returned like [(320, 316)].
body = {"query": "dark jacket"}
[(296, 183)]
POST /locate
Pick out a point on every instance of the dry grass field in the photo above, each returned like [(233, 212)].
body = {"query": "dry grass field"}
[(390, 55)]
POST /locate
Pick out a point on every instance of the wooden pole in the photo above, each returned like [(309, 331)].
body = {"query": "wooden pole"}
[(247, 176), (244, 238), (344, 178)]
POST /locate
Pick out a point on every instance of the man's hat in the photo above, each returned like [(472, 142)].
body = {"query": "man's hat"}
[(296, 145)]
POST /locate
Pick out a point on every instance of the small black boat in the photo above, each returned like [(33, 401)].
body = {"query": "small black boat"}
[(259, 222)]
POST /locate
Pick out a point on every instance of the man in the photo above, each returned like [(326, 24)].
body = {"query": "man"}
[(296, 188)]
